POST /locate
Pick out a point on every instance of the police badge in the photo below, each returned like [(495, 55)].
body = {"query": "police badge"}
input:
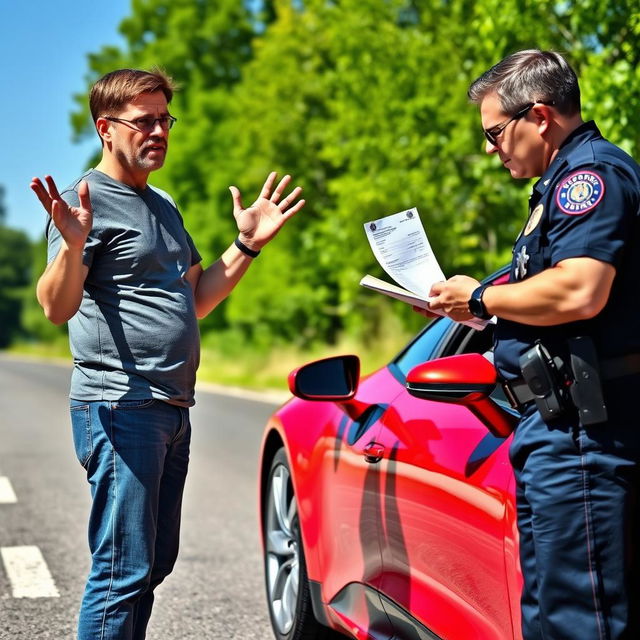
[(521, 263), (534, 219)]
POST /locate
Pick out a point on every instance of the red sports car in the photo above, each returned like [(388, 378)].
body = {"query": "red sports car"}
[(387, 502)]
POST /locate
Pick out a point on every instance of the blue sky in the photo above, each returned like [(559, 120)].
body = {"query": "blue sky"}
[(43, 53)]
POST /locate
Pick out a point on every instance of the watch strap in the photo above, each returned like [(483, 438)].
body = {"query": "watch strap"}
[(476, 304)]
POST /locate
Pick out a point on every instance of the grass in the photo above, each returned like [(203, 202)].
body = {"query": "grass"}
[(227, 362), (57, 351), (270, 370)]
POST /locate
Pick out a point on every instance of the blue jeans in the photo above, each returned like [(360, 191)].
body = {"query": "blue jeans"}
[(136, 454)]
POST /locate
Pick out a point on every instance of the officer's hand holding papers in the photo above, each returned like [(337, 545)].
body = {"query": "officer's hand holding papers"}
[(400, 245)]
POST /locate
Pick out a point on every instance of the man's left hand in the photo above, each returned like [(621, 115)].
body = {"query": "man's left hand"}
[(260, 222), (452, 297)]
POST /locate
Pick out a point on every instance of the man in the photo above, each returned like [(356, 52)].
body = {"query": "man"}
[(575, 273), (127, 277)]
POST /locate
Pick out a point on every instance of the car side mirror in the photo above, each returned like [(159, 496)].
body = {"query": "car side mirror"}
[(467, 379), (330, 379)]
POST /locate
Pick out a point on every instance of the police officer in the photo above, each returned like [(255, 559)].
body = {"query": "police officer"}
[(575, 272)]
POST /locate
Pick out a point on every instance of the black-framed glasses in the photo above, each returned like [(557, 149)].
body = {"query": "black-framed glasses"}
[(492, 134), (146, 124)]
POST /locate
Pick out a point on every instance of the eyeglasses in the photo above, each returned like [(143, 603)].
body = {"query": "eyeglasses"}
[(146, 124), (492, 134)]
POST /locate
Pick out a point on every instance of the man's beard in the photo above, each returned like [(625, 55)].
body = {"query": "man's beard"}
[(139, 160)]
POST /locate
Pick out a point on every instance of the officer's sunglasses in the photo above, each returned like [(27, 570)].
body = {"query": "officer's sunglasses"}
[(492, 134)]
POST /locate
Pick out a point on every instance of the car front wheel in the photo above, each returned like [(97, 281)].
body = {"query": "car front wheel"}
[(287, 585)]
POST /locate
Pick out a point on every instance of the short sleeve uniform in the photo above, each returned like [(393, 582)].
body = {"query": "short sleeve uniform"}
[(585, 205)]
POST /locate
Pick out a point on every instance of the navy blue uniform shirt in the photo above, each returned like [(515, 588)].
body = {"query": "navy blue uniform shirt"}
[(585, 205)]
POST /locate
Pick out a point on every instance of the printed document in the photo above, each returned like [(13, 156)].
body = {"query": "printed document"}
[(400, 245)]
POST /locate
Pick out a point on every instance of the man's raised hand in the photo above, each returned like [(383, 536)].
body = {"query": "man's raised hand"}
[(260, 222), (74, 223)]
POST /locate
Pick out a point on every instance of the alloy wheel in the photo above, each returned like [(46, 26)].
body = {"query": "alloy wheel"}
[(282, 553)]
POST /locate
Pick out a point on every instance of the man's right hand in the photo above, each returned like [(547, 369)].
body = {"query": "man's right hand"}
[(60, 287), (74, 223)]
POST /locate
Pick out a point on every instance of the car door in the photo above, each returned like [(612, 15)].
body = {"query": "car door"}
[(349, 541), (446, 484)]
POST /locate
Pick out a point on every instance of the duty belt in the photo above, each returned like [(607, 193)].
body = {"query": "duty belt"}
[(519, 394)]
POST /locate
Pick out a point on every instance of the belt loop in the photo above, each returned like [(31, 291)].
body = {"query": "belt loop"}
[(508, 392)]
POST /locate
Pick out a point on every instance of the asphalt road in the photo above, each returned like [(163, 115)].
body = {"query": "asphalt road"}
[(216, 589)]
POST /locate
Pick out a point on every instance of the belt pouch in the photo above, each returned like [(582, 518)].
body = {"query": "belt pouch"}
[(586, 390)]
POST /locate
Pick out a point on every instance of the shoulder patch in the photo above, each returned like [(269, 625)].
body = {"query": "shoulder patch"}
[(579, 192)]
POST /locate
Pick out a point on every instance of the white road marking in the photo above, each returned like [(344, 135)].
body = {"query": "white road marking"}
[(7, 494), (28, 573)]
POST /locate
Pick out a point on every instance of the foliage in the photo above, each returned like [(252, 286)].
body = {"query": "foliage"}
[(364, 103), (15, 274), (35, 325)]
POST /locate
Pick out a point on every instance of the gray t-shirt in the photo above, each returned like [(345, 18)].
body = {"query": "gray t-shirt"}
[(135, 335)]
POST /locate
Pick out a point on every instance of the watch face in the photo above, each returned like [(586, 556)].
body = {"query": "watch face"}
[(476, 306)]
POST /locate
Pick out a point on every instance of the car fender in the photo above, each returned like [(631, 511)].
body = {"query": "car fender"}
[(304, 457)]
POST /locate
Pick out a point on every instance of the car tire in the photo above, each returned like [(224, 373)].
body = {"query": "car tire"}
[(287, 585)]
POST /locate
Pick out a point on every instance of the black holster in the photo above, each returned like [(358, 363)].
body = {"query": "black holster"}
[(546, 378), (559, 387)]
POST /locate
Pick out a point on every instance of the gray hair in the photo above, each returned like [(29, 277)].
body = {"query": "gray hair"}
[(530, 76)]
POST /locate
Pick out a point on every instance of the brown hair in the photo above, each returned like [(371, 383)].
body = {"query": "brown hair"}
[(111, 92)]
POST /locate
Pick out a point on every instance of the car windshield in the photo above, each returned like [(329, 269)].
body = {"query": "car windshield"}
[(423, 348)]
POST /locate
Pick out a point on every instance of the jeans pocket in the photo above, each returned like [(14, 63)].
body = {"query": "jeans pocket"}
[(132, 404), (82, 437)]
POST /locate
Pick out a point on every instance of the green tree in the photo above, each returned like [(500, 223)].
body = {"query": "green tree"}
[(374, 116), (35, 325), (203, 46), (15, 275), (364, 103)]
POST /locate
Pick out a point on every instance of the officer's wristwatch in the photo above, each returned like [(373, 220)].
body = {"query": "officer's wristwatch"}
[(476, 306)]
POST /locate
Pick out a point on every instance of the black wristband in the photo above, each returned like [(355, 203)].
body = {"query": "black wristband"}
[(249, 252)]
